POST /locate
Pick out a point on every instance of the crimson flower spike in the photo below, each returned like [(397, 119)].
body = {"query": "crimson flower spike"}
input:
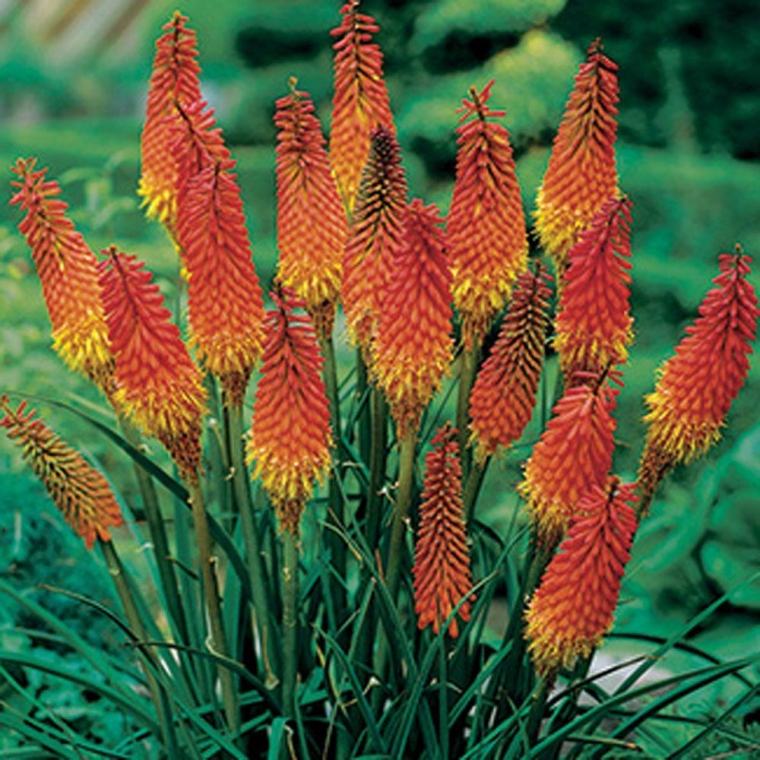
[(173, 85), (289, 443), (311, 221), (375, 234), (581, 174), (697, 386), (360, 101), (594, 323), (573, 454), (157, 385), (67, 269), (504, 394), (414, 346), (574, 606), (79, 491), (486, 222), (441, 558)]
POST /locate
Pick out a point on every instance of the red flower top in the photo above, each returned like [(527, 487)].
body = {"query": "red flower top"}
[(375, 233), (311, 221), (441, 558), (486, 223), (77, 489), (504, 393), (360, 102), (594, 323), (697, 386), (67, 269), (414, 346), (157, 384), (290, 437), (173, 83), (581, 175), (574, 606)]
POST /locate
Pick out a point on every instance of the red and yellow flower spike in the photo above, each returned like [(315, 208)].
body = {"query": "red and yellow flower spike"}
[(173, 84), (311, 220), (486, 222), (574, 606), (375, 234), (157, 385), (593, 328), (441, 558), (581, 174), (67, 269), (697, 386), (573, 454), (504, 394), (360, 101), (414, 347), (79, 491), (290, 439)]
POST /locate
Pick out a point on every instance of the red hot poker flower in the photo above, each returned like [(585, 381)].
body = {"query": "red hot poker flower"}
[(414, 346), (486, 222), (581, 174), (594, 323), (79, 491), (290, 439), (157, 384), (504, 394), (697, 386), (360, 102), (441, 559), (311, 221), (67, 269), (574, 606)]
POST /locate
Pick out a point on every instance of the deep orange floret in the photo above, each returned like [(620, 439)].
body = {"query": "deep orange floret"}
[(594, 323), (504, 394), (173, 84), (486, 222), (414, 346), (79, 491), (581, 174), (573, 454), (157, 385), (311, 220), (697, 386), (441, 558), (290, 437), (67, 269), (374, 236), (360, 101)]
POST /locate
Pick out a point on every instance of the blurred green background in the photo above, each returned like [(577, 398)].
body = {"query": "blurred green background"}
[(73, 79)]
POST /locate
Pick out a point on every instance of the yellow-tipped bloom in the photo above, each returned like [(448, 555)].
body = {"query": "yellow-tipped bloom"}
[(67, 269), (77, 489)]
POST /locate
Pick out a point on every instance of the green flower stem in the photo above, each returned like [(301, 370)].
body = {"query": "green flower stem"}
[(364, 417), (377, 463), (466, 381), (472, 487), (289, 621), (537, 710)]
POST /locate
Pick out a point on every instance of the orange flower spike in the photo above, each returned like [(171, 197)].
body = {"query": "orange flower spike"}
[(360, 101), (414, 346), (311, 220), (173, 84), (157, 384), (79, 491), (289, 443), (594, 323), (375, 233), (504, 393), (67, 269), (581, 174), (697, 386), (574, 606), (441, 558), (486, 222), (573, 454)]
